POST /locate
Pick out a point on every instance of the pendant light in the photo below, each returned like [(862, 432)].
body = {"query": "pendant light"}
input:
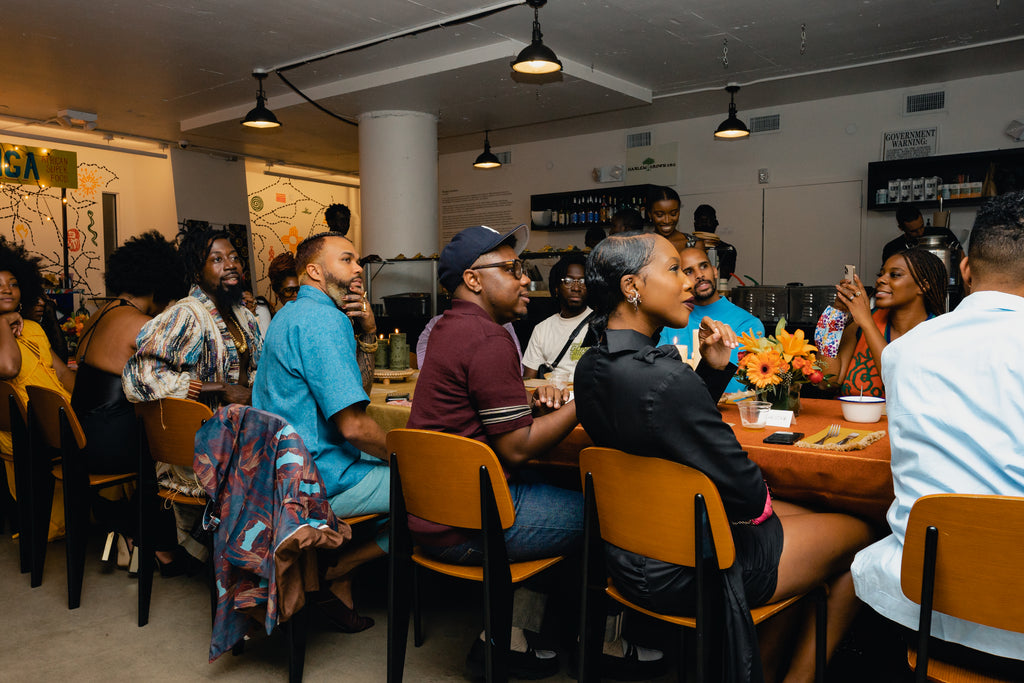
[(732, 128), (487, 159), (260, 116), (536, 58)]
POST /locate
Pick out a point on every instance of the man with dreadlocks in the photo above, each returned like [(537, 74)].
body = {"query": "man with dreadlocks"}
[(206, 346)]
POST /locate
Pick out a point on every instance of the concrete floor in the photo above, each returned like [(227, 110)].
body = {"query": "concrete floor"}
[(44, 641)]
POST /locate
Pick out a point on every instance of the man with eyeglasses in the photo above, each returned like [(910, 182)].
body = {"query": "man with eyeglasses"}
[(557, 343), (471, 385)]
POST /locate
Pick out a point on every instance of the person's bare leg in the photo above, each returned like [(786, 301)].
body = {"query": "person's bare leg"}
[(340, 575), (818, 547)]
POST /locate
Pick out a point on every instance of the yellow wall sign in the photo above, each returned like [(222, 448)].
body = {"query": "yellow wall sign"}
[(38, 166)]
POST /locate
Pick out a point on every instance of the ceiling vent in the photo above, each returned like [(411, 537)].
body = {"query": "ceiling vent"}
[(770, 123), (925, 102), (504, 157), (638, 140)]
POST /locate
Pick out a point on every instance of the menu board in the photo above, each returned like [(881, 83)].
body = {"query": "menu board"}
[(461, 210)]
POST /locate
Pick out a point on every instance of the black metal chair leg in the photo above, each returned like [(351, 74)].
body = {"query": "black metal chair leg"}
[(417, 614), (296, 629)]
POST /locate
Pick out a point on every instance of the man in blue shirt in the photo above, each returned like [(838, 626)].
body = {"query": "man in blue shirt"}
[(708, 302), (311, 379)]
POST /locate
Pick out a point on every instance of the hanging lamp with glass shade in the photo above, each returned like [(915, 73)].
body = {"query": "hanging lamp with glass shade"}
[(487, 159), (536, 58), (260, 116), (732, 128)]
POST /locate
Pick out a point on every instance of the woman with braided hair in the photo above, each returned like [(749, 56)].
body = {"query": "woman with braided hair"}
[(910, 288)]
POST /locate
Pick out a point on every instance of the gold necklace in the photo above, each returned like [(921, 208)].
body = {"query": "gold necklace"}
[(237, 338)]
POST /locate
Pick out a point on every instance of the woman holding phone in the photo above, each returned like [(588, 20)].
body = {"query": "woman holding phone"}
[(910, 288)]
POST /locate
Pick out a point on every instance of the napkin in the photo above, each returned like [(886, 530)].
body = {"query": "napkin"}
[(863, 441)]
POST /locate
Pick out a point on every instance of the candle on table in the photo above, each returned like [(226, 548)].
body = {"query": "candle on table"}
[(380, 359), (399, 351)]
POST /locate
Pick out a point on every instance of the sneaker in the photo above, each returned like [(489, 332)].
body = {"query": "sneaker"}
[(531, 665), (635, 664)]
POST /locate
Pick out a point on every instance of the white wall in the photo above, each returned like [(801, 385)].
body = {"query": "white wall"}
[(830, 140), (145, 201)]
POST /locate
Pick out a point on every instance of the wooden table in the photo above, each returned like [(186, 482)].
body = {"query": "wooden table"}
[(858, 482)]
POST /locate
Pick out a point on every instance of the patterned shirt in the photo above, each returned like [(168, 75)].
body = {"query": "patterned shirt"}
[(189, 342)]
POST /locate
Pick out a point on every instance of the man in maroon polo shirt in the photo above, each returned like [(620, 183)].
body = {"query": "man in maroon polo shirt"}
[(471, 385)]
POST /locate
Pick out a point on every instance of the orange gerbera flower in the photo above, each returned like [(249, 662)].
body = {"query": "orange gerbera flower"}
[(764, 368), (794, 344)]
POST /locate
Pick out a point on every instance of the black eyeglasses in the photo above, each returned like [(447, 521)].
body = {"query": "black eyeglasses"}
[(571, 282), (515, 268)]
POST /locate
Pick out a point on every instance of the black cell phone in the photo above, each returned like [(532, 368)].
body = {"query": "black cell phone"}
[(784, 438)]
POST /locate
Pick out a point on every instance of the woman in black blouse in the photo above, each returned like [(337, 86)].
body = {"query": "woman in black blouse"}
[(644, 400)]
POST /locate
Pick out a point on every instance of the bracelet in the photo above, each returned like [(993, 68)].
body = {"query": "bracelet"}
[(367, 347)]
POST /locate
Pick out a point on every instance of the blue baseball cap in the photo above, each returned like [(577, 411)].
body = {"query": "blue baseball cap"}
[(467, 246)]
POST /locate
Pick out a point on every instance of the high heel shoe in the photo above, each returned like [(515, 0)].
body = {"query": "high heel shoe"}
[(339, 615)]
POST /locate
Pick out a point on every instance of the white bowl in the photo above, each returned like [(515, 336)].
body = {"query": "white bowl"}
[(862, 408)]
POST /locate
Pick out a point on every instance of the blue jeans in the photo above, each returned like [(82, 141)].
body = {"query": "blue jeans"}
[(549, 521)]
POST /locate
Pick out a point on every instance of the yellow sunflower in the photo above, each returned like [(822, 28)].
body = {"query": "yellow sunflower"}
[(764, 368)]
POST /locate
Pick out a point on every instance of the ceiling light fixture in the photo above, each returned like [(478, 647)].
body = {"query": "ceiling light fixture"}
[(260, 116), (536, 58), (732, 128), (487, 159)]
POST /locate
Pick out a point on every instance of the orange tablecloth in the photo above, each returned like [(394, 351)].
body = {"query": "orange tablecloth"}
[(858, 482)]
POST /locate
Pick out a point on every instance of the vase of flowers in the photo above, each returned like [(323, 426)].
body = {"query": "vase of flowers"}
[(72, 328), (778, 365)]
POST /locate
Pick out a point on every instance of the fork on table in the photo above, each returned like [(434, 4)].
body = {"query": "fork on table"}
[(833, 431)]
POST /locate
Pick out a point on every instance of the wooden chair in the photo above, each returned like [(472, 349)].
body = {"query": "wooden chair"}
[(167, 435), (458, 482), (56, 430), (13, 419), (663, 510), (962, 556)]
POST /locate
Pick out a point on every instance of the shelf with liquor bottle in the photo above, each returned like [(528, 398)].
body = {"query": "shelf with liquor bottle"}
[(951, 180), (582, 209)]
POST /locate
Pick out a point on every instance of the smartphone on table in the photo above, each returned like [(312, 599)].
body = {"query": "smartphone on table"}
[(784, 438)]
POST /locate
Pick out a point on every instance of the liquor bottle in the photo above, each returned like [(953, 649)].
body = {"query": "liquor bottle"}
[(574, 217)]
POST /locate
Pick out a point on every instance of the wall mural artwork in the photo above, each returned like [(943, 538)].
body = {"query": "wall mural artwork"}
[(283, 212), (31, 216)]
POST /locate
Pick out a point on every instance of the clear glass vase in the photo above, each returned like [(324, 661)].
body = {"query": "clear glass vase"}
[(783, 398)]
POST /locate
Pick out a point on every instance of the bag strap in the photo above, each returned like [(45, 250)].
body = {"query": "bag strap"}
[(572, 337)]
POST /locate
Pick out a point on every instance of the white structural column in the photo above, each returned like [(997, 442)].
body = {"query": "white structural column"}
[(398, 196)]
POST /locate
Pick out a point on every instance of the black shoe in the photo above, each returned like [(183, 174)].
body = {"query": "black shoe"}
[(625, 668), (340, 616), (523, 665)]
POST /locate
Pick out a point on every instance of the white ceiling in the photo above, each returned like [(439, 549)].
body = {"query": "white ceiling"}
[(181, 70)]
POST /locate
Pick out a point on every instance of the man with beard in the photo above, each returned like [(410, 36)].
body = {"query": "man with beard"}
[(557, 343), (708, 303), (206, 346), (309, 376)]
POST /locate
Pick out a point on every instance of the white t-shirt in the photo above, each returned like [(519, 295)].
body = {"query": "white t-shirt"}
[(548, 338)]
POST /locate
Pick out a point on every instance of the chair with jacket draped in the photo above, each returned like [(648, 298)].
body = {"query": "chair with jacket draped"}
[(666, 511)]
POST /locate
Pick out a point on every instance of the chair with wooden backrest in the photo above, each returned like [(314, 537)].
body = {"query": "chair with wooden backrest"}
[(167, 435), (55, 429), (963, 556), (457, 482), (13, 419), (662, 510)]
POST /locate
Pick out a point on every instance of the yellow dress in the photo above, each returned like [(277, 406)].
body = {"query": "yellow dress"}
[(36, 370)]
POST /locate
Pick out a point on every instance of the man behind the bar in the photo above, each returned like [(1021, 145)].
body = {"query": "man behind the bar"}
[(309, 376), (708, 302), (955, 403), (911, 224)]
